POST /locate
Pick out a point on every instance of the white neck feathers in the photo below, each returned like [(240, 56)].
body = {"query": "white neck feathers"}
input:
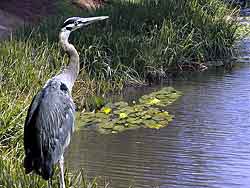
[(69, 74)]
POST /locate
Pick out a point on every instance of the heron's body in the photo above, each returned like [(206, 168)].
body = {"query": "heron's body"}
[(50, 120), (48, 127)]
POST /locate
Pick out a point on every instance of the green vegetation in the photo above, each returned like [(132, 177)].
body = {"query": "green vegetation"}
[(140, 37), (120, 116), (12, 175)]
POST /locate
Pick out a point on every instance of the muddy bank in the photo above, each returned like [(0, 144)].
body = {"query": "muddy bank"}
[(14, 13), (28, 10), (8, 22)]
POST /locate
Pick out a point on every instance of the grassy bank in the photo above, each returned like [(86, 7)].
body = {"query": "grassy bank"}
[(140, 37), (13, 176)]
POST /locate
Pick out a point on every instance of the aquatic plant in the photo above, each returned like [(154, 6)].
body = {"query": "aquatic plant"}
[(163, 97), (120, 116)]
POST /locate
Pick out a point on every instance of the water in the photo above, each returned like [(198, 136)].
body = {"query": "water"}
[(207, 144)]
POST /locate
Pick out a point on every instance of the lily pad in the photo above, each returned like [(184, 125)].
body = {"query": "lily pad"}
[(154, 101), (123, 115), (133, 126), (119, 128), (107, 125), (155, 126), (101, 115), (134, 120), (104, 131), (117, 117), (120, 104), (147, 117), (163, 97)]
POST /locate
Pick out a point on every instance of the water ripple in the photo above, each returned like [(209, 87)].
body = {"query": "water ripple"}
[(206, 146)]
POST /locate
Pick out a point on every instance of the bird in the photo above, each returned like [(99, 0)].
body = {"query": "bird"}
[(49, 123)]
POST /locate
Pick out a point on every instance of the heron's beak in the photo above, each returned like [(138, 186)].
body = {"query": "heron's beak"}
[(87, 21)]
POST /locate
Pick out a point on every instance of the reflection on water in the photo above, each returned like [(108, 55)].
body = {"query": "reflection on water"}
[(207, 145)]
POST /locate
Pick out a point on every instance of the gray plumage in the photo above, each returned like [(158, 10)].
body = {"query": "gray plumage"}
[(48, 127), (50, 119)]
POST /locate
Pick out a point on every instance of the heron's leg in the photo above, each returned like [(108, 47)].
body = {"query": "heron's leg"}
[(61, 165), (50, 183)]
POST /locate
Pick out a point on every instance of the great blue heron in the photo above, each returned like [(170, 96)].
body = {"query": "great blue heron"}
[(50, 119)]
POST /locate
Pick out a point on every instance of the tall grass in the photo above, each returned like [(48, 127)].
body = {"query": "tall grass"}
[(147, 33), (13, 176), (140, 36)]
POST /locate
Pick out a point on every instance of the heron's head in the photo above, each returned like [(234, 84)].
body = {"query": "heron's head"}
[(74, 23)]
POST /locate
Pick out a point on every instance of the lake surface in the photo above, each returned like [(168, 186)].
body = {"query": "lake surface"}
[(207, 144)]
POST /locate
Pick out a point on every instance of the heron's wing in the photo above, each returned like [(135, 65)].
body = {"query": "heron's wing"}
[(49, 125), (29, 127)]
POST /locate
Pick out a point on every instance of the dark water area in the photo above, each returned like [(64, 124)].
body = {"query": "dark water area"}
[(207, 145)]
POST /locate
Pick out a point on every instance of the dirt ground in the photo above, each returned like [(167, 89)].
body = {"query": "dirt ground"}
[(28, 10), (14, 13), (89, 4), (8, 22)]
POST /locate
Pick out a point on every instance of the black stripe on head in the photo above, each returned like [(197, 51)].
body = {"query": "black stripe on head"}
[(69, 28), (70, 21)]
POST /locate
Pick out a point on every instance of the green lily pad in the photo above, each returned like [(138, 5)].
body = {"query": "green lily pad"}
[(149, 122), (101, 115), (147, 116), (134, 121), (133, 126), (117, 117), (107, 125), (163, 97), (121, 121), (123, 115), (120, 104), (104, 131), (155, 126), (118, 128)]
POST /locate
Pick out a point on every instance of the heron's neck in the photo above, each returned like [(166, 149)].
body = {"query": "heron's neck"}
[(70, 73)]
